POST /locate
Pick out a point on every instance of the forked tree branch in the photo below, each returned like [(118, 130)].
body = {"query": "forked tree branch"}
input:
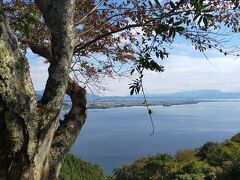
[(69, 128), (62, 44)]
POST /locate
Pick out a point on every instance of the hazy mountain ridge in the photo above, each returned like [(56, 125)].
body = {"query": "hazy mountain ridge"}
[(203, 94), (186, 95)]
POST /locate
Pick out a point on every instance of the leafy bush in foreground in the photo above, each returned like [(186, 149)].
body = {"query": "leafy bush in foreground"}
[(155, 167), (74, 168), (236, 138), (195, 170), (186, 155), (220, 154), (211, 161)]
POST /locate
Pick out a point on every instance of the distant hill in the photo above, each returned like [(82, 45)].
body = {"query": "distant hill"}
[(202, 94), (187, 95)]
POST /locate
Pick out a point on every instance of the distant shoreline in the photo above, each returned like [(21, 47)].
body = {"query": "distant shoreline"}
[(130, 103), (106, 104)]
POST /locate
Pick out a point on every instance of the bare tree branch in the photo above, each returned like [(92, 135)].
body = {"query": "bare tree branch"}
[(81, 47)]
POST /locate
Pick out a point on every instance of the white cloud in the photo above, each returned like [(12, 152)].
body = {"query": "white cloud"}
[(185, 73)]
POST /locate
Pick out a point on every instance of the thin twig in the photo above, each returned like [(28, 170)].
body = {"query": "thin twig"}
[(149, 110)]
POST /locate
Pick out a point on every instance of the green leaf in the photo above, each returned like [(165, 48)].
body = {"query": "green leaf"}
[(187, 13), (171, 32), (200, 20), (132, 91), (162, 28), (196, 16), (180, 29), (132, 71), (150, 3), (174, 33), (207, 10), (157, 2), (172, 4), (171, 20), (177, 23), (164, 37), (205, 21)]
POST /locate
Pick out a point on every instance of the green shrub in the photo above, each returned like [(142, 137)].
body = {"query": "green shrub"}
[(190, 177), (185, 155), (233, 172), (160, 166), (134, 171), (234, 149), (195, 170), (212, 161), (155, 167), (217, 154), (236, 138), (74, 168), (206, 149)]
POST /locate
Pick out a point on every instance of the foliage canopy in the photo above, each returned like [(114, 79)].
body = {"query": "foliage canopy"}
[(128, 31), (211, 161)]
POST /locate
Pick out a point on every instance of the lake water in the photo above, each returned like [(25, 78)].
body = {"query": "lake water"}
[(118, 136)]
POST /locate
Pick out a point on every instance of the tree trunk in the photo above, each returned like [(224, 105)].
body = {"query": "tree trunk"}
[(32, 143)]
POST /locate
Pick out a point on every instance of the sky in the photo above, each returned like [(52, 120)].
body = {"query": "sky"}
[(185, 70)]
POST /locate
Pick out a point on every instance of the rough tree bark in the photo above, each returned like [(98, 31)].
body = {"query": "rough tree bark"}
[(32, 143)]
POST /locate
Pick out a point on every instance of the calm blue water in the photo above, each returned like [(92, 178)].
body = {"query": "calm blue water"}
[(118, 136)]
